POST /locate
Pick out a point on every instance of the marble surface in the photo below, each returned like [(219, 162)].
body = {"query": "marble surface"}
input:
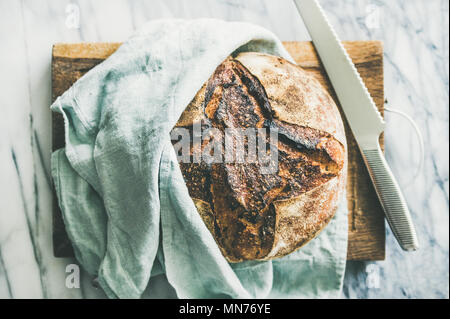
[(416, 44)]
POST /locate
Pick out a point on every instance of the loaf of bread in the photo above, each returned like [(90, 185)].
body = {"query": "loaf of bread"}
[(255, 215)]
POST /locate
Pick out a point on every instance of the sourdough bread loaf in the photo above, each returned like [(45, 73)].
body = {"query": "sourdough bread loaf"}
[(254, 215)]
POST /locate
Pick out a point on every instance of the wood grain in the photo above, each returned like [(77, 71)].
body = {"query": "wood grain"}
[(366, 218)]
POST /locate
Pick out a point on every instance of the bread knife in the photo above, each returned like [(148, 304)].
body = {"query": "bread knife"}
[(363, 117)]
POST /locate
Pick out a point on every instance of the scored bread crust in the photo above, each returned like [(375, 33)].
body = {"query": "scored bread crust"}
[(295, 95), (302, 108)]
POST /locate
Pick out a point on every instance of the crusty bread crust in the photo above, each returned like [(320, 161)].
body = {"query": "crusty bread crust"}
[(295, 95), (255, 216)]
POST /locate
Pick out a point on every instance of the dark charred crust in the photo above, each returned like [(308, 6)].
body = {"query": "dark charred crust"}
[(198, 180), (252, 189), (240, 196), (267, 231), (299, 136), (236, 110), (234, 97), (255, 88)]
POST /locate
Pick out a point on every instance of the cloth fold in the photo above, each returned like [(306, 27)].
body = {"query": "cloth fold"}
[(125, 205)]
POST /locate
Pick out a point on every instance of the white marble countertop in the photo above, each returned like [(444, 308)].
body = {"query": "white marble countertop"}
[(416, 43)]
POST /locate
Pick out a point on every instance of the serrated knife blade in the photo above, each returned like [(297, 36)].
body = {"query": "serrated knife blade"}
[(363, 117)]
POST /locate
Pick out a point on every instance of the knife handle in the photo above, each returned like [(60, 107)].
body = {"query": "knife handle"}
[(391, 198)]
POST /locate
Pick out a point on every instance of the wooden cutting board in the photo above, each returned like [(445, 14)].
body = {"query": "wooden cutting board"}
[(366, 219)]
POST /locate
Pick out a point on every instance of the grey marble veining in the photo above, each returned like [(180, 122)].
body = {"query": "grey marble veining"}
[(416, 43)]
